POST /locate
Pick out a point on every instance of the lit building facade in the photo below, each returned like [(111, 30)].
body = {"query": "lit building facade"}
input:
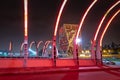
[(67, 35)]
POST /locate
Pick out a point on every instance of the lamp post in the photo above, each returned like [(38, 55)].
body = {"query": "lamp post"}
[(99, 27), (25, 32), (55, 32), (10, 49), (54, 50), (76, 56)]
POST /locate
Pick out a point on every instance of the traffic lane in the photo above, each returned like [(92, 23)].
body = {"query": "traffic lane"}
[(96, 75)]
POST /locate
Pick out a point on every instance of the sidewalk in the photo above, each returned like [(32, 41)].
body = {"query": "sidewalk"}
[(11, 71)]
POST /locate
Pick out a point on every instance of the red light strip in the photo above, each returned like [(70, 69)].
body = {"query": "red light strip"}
[(106, 27), (25, 19), (59, 15), (98, 29), (83, 18), (39, 43), (33, 42), (10, 46)]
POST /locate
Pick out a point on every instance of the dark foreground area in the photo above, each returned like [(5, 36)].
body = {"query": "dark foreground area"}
[(94, 73)]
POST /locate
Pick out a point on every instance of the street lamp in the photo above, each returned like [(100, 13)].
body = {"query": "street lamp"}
[(77, 41), (25, 32), (55, 32)]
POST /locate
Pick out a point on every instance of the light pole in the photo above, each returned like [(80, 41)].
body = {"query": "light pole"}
[(84, 17), (25, 32), (55, 32), (10, 49), (54, 50), (99, 27), (76, 55), (99, 46), (21, 49)]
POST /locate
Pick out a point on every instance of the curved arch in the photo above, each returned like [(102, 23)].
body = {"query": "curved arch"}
[(99, 54), (59, 15), (38, 44), (55, 31), (83, 18), (21, 49), (98, 29), (79, 28), (31, 44), (105, 15), (106, 27), (46, 44)]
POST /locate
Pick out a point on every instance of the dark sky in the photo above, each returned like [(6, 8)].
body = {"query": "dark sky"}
[(42, 17)]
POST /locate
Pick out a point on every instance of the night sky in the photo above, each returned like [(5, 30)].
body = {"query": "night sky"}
[(42, 18)]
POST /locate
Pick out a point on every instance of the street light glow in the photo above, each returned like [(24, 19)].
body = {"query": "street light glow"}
[(78, 40), (32, 51), (50, 47), (83, 18)]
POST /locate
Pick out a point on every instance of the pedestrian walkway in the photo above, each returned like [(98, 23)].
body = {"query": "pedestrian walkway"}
[(8, 71)]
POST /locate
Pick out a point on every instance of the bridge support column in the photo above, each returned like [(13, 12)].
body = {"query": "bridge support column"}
[(99, 55), (25, 55), (77, 58), (93, 52), (54, 51), (75, 53)]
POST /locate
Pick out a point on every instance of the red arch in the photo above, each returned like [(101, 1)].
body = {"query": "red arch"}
[(98, 29), (106, 27), (105, 15), (83, 18), (55, 31), (99, 54), (31, 44), (59, 15)]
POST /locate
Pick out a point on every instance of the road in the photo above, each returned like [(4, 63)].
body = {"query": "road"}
[(73, 75)]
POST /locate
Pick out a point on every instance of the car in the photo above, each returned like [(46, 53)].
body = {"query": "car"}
[(108, 62)]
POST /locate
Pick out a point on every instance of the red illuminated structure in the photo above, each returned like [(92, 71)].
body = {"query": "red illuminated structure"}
[(25, 31), (99, 46), (21, 49), (47, 43), (84, 16), (31, 44), (10, 48), (79, 28), (106, 27), (56, 28), (98, 29), (39, 43)]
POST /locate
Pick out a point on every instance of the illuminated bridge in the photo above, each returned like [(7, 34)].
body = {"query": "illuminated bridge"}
[(48, 55)]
